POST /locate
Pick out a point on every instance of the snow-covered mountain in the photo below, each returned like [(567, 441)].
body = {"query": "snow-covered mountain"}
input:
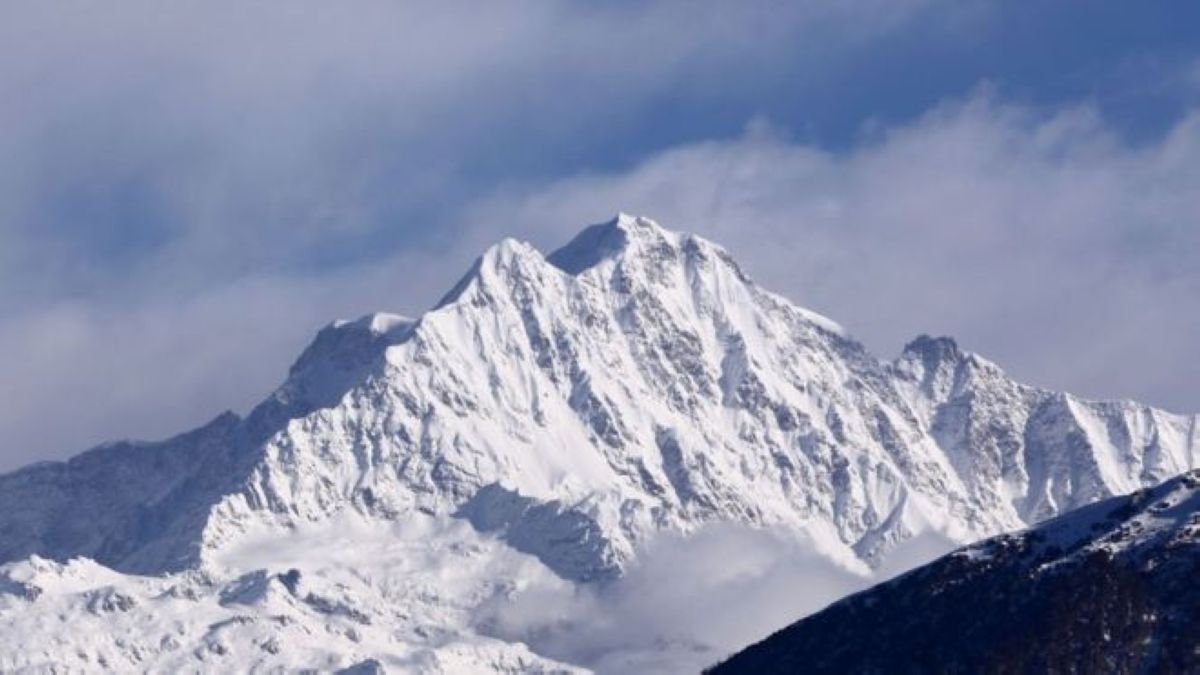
[(1108, 588), (573, 406)]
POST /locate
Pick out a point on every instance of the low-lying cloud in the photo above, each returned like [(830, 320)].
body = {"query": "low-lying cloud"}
[(690, 601)]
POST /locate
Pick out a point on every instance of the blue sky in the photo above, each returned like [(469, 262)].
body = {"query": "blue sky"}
[(187, 193)]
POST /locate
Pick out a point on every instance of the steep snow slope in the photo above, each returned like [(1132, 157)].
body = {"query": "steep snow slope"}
[(633, 382), (1107, 588), (1038, 452)]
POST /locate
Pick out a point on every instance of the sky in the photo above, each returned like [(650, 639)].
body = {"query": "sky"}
[(189, 191)]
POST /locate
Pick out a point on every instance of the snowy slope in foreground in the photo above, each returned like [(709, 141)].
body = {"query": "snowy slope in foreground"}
[(426, 595), (382, 597), (576, 406), (1109, 588)]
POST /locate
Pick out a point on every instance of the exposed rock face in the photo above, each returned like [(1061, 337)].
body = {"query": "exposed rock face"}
[(1109, 588)]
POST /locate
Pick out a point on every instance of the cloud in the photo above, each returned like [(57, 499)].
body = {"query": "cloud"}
[(1036, 236), (172, 177), (689, 601), (686, 603), (187, 192), (77, 372), (146, 142)]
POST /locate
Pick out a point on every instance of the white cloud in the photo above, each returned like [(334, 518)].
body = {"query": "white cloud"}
[(171, 177), (186, 192), (690, 601), (80, 372), (686, 603), (1035, 237), (146, 142)]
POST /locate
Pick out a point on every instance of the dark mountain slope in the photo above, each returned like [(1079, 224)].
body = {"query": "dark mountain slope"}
[(1109, 588)]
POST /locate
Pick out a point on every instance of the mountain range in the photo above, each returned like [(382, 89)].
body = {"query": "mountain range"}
[(548, 418)]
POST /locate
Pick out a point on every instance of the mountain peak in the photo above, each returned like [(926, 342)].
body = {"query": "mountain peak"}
[(638, 225), (614, 238), (933, 350), (334, 362), (503, 255), (934, 355), (604, 240), (376, 323)]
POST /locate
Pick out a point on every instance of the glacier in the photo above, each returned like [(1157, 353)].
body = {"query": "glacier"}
[(545, 420)]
